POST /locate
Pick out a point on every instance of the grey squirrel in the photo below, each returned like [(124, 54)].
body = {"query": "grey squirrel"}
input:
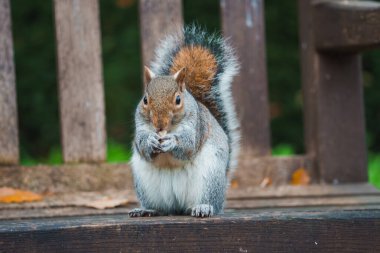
[(187, 134)]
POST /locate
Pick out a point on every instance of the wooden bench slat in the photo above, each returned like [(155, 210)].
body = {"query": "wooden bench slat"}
[(243, 23), (279, 230), (9, 146), (278, 170), (304, 191), (80, 81), (157, 19), (76, 203), (346, 26), (94, 177), (255, 205), (333, 108)]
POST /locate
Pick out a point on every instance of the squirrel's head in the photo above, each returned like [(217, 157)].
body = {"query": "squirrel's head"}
[(163, 100)]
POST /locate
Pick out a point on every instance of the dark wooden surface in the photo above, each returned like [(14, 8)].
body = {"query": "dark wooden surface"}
[(333, 108), (276, 230), (9, 149), (81, 92), (243, 24), (346, 26), (157, 19)]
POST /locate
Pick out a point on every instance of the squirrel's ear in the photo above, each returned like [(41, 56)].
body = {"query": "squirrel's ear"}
[(179, 77), (148, 75)]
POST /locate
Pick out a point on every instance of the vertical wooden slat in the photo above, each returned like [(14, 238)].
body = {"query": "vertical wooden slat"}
[(158, 18), (80, 80), (333, 107), (243, 23), (9, 149)]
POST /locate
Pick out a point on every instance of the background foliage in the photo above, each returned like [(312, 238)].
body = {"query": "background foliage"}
[(34, 42)]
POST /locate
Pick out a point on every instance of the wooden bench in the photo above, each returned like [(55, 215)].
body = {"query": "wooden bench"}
[(338, 211)]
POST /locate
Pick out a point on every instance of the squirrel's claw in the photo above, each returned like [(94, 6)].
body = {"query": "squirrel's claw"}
[(202, 210), (138, 212), (153, 141)]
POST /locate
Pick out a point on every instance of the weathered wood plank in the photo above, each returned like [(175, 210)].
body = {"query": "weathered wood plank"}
[(264, 231), (61, 211), (80, 81), (305, 191), (74, 204), (279, 170), (302, 202), (9, 147), (309, 89), (346, 25), (67, 178), (157, 19), (66, 186), (258, 196), (98, 177), (341, 135), (243, 23), (333, 108), (254, 206)]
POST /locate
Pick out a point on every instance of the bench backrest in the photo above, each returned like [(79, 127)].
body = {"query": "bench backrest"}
[(332, 35)]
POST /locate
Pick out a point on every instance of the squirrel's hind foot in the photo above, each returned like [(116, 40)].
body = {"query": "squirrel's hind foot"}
[(202, 210), (138, 212)]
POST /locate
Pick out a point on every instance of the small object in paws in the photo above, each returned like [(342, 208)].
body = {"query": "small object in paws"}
[(162, 134)]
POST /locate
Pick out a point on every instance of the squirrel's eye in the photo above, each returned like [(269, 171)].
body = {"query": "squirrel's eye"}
[(178, 100), (145, 100)]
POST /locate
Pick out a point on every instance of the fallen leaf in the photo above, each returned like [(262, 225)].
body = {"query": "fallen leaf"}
[(267, 181), (106, 203), (234, 184), (300, 177), (10, 195)]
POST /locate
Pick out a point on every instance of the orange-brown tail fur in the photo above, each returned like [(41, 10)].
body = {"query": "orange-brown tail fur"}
[(201, 66)]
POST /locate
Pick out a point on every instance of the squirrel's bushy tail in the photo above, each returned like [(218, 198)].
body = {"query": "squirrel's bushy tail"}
[(210, 67)]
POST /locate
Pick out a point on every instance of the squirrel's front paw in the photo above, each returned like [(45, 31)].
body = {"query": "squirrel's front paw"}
[(154, 143), (138, 212), (168, 143), (202, 210)]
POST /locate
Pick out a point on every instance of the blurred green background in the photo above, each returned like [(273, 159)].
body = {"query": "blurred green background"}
[(34, 42)]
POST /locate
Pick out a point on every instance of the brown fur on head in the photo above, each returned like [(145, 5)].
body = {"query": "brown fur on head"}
[(163, 101)]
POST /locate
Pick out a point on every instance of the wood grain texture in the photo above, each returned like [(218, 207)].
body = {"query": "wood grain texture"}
[(333, 108), (304, 191), (279, 170), (9, 146), (80, 80), (286, 202), (319, 230), (361, 196), (243, 23), (67, 178), (346, 26), (157, 19), (99, 177), (272, 195)]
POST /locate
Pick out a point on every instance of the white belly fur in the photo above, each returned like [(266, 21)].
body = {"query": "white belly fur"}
[(177, 188)]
